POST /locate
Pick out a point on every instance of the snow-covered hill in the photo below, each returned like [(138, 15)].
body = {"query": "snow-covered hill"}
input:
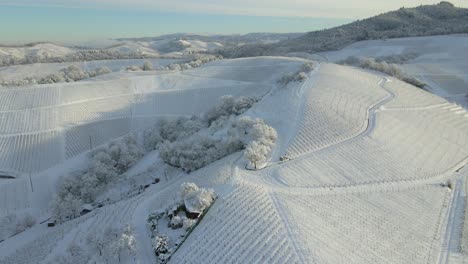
[(366, 168), (424, 20), (178, 47), (40, 51), (439, 61)]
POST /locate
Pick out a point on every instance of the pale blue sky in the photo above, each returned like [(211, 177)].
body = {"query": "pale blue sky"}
[(72, 20)]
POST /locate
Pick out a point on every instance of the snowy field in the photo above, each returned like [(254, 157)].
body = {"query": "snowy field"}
[(42, 69), (442, 61), (371, 170)]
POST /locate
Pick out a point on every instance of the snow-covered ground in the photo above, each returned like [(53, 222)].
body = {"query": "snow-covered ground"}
[(374, 170), (18, 72), (442, 62), (41, 50)]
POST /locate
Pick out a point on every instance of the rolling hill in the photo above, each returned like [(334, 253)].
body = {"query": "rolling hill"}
[(440, 19), (374, 169)]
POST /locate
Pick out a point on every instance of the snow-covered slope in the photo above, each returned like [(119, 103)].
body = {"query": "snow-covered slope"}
[(441, 61), (372, 168), (357, 197), (69, 116), (181, 46), (18, 72), (40, 50), (133, 47)]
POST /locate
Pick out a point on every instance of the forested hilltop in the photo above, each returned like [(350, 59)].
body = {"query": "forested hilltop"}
[(426, 20)]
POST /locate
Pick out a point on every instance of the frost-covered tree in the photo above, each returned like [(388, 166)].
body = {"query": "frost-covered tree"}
[(65, 207), (197, 62), (114, 244), (51, 78), (73, 73), (256, 153), (307, 66), (133, 68), (69, 74), (382, 66), (191, 143), (298, 76), (229, 105), (160, 245), (147, 66), (199, 200), (258, 137), (152, 138), (187, 188), (175, 67), (105, 165), (128, 240), (103, 70)]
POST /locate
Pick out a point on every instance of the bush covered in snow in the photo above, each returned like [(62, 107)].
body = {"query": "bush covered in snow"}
[(69, 74), (220, 139), (79, 55), (147, 66), (133, 68), (73, 73), (111, 245), (201, 148), (21, 82), (196, 199), (160, 245), (192, 143), (195, 63), (105, 165), (229, 105), (292, 77), (51, 78), (382, 66), (299, 76), (307, 67), (397, 58), (184, 127)]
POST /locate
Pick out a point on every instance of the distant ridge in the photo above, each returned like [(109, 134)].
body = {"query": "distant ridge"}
[(426, 20), (234, 39)]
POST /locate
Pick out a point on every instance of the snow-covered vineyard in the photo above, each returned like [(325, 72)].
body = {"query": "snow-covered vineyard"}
[(365, 169), (66, 120)]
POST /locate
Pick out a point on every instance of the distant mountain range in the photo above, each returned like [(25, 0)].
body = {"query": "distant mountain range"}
[(439, 19), (173, 46), (226, 40)]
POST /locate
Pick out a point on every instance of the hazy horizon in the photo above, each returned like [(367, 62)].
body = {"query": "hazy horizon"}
[(81, 21)]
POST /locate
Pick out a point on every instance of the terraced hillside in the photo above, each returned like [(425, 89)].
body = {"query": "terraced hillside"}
[(66, 120), (365, 181), (373, 169)]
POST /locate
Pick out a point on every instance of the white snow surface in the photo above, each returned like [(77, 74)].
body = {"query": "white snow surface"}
[(18, 72), (442, 61), (368, 156), (41, 50)]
